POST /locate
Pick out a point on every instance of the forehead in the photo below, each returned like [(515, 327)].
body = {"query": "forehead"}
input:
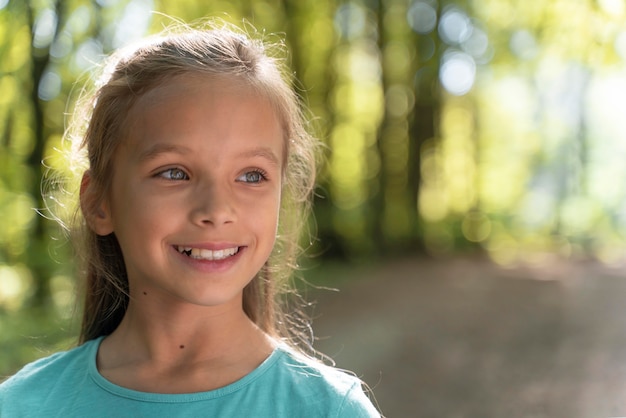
[(180, 87), (214, 107)]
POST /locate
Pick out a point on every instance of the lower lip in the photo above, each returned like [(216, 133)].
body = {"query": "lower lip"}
[(211, 266)]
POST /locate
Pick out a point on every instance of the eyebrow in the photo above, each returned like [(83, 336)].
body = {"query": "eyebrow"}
[(159, 148), (262, 152)]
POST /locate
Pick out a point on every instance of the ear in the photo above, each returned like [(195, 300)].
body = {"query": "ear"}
[(95, 207)]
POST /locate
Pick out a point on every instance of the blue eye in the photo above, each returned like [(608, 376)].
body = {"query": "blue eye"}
[(175, 174), (255, 176)]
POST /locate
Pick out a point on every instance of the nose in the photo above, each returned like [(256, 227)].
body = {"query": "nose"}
[(212, 205)]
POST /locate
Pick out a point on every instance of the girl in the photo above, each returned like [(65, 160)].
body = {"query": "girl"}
[(196, 148)]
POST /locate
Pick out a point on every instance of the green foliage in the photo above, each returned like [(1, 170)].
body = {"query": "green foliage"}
[(32, 333), (491, 124)]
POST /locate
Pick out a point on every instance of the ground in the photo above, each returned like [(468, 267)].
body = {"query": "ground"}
[(465, 338)]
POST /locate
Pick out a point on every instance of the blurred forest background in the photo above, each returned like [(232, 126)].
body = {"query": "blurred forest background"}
[(454, 127)]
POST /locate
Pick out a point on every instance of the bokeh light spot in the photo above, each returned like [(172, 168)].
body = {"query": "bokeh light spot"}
[(350, 20), (44, 29), (457, 73), (422, 17), (455, 27)]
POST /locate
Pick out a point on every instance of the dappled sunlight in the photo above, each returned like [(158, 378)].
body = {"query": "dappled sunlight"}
[(63, 295), (494, 126), (17, 286), (447, 126), (357, 103), (17, 215), (536, 164), (133, 23)]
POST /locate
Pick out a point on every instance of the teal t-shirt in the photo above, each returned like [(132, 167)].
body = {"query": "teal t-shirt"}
[(68, 384)]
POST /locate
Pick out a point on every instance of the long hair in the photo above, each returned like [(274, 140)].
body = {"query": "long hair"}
[(226, 54)]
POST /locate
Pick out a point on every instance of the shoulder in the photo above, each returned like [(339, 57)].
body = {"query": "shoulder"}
[(51, 364), (319, 386), (37, 379)]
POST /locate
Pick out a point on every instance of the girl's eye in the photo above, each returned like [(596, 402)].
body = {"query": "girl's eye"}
[(175, 174), (254, 176)]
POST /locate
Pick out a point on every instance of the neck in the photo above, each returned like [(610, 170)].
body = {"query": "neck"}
[(155, 349), (159, 332)]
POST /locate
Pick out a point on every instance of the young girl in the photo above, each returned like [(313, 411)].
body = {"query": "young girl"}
[(196, 148)]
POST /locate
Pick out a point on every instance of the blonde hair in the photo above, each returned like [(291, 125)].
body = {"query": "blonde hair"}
[(216, 52)]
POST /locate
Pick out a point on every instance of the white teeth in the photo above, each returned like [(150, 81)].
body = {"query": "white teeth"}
[(204, 254)]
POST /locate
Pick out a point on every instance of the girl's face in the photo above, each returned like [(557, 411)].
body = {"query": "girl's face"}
[(196, 191)]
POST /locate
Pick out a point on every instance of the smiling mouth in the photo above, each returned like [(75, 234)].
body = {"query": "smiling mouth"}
[(209, 255)]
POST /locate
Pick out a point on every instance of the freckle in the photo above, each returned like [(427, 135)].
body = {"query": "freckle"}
[(145, 293), (181, 347)]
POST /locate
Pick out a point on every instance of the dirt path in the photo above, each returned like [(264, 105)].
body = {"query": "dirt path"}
[(463, 338)]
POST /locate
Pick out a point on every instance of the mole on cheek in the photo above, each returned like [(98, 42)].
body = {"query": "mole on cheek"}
[(181, 346), (145, 293)]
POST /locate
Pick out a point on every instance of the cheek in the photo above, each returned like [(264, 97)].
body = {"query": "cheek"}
[(263, 216), (133, 210)]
